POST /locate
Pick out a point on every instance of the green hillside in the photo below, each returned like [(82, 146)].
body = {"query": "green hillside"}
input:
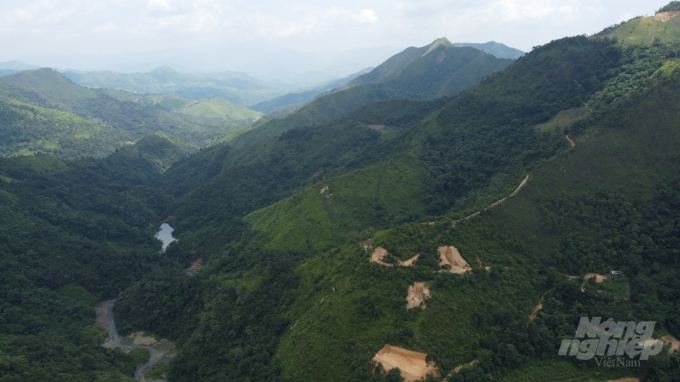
[(45, 112), (144, 162), (470, 232), (211, 112), (433, 71), (407, 186), (28, 129), (645, 30)]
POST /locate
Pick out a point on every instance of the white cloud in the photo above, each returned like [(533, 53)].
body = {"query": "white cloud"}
[(105, 27), (520, 9), (367, 16)]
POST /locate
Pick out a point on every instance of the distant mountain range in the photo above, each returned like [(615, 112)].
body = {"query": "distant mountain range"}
[(436, 70), (43, 111), (236, 87)]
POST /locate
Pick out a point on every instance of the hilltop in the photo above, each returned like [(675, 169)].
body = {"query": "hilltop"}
[(436, 70), (662, 28)]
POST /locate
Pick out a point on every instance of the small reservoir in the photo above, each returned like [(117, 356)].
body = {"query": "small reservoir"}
[(165, 235)]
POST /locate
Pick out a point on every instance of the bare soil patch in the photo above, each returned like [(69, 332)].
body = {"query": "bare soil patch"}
[(598, 279), (675, 344), (379, 254), (412, 364), (534, 311), (324, 189), (572, 141), (664, 16), (138, 338), (417, 294), (450, 256)]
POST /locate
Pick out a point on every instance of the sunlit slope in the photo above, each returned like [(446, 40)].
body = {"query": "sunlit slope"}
[(332, 212), (26, 129), (577, 214), (662, 28), (127, 118), (482, 138), (213, 112)]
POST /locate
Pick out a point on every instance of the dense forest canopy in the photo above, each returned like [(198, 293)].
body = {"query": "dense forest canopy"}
[(299, 242)]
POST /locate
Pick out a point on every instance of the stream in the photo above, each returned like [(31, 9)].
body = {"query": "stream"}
[(105, 319)]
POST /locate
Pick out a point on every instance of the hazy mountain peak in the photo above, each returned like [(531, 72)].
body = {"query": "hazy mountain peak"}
[(164, 69), (494, 48), (437, 43), (16, 65)]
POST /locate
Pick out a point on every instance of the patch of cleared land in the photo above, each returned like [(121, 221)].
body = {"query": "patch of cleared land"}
[(450, 256), (534, 311), (196, 266), (411, 364), (598, 279), (572, 141), (675, 344), (379, 254), (138, 338), (664, 17), (417, 294)]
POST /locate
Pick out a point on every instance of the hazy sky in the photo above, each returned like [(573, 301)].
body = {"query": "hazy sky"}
[(91, 27)]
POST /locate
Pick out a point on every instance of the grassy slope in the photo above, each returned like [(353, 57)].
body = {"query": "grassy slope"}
[(311, 221), (120, 114), (30, 129), (212, 111), (644, 31)]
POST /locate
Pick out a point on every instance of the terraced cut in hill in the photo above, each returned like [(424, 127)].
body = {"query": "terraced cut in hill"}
[(412, 364)]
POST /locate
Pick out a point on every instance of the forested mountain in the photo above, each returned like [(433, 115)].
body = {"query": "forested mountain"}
[(466, 234), (69, 237), (42, 111), (433, 71)]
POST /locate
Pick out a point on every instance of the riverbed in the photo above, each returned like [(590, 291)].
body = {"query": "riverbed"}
[(158, 350)]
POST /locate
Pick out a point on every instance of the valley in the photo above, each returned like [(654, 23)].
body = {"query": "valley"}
[(452, 214)]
